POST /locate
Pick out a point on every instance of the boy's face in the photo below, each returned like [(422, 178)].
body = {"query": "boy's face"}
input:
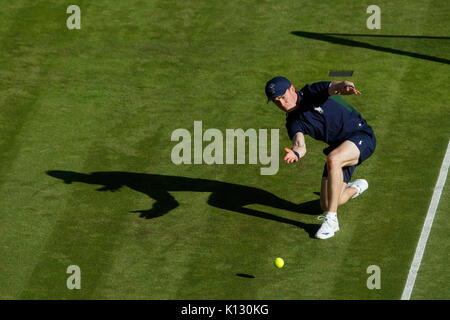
[(288, 101)]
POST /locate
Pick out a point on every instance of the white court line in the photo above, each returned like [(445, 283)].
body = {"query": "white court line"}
[(427, 226)]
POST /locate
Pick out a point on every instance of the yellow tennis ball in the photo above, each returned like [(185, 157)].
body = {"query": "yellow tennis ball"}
[(279, 263)]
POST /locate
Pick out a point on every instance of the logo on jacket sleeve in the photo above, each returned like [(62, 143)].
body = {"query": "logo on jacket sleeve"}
[(319, 110)]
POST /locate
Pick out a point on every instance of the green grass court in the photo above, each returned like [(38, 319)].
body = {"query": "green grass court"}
[(107, 97)]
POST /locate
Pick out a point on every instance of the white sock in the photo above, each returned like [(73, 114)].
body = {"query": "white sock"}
[(331, 214)]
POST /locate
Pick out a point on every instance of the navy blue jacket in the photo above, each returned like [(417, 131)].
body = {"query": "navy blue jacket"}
[(323, 117)]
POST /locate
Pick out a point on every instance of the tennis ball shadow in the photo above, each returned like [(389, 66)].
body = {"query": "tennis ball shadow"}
[(244, 275)]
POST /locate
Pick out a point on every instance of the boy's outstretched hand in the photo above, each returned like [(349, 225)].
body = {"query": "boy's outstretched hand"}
[(290, 156)]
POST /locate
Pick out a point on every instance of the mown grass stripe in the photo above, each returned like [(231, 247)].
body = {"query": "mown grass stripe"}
[(26, 60)]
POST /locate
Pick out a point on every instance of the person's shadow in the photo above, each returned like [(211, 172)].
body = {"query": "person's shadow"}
[(227, 196)]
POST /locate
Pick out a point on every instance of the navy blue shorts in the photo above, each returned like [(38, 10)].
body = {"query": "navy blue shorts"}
[(365, 141)]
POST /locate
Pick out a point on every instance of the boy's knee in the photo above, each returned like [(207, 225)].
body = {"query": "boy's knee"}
[(333, 162)]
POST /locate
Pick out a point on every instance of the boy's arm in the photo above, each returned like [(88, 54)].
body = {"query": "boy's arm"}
[(317, 92), (298, 149)]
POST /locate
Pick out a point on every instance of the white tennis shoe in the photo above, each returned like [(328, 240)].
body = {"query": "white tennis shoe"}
[(330, 225), (360, 184)]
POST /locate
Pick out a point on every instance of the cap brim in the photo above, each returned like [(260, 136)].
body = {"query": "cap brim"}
[(271, 97)]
